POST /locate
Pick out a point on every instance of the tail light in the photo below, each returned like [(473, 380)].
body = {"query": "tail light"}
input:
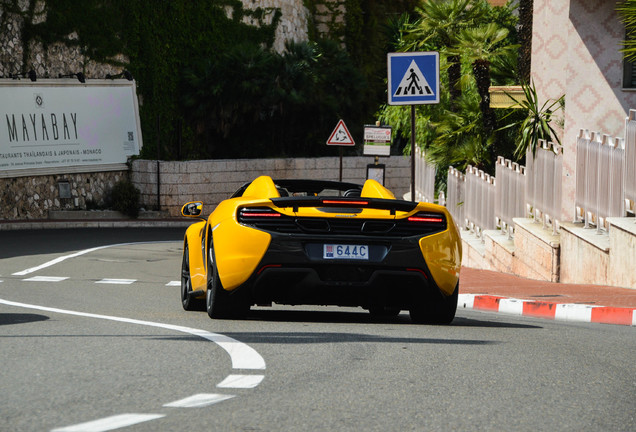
[(427, 218), (257, 212), (345, 202)]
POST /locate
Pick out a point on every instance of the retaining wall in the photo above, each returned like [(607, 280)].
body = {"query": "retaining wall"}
[(212, 181)]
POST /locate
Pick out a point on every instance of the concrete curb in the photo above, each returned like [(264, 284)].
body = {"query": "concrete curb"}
[(555, 311)]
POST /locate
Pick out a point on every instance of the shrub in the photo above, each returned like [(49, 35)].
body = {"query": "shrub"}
[(125, 198)]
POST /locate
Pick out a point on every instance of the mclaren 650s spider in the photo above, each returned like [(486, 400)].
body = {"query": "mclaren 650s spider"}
[(314, 242)]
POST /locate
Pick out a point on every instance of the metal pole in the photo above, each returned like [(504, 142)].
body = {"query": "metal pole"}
[(413, 153), (158, 170), (341, 151)]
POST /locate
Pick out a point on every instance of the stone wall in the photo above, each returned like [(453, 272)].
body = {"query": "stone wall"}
[(47, 62), (212, 181), (58, 59), (293, 23), (33, 197)]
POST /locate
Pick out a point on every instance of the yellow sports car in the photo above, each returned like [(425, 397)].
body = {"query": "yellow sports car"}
[(321, 243)]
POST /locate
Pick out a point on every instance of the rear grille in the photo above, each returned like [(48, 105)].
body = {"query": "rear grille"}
[(269, 220)]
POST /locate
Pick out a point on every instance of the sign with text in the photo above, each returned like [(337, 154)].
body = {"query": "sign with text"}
[(377, 140), (49, 125)]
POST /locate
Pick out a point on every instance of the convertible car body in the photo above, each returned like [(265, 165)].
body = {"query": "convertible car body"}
[(321, 243)]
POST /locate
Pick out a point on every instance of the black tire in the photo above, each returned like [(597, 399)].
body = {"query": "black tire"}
[(441, 312), (219, 302), (188, 302)]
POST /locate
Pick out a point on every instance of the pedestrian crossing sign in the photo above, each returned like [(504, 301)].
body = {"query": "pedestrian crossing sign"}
[(413, 78)]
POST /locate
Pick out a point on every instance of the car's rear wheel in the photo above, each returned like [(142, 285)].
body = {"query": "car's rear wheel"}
[(219, 302), (187, 300), (440, 312)]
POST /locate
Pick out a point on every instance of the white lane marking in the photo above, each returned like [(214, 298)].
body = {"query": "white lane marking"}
[(174, 283), (76, 254), (241, 381), (110, 423), (199, 400), (242, 355), (45, 279), (116, 281)]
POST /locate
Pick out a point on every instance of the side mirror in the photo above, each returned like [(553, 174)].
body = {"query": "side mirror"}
[(192, 209)]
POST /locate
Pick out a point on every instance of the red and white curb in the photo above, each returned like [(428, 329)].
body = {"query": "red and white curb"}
[(554, 311)]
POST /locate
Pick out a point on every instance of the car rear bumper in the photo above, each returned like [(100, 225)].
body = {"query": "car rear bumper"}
[(293, 271)]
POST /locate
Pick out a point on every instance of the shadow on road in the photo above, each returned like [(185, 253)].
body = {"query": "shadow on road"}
[(35, 242), (364, 317), (20, 318)]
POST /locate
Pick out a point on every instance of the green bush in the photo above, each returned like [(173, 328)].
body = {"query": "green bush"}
[(125, 198)]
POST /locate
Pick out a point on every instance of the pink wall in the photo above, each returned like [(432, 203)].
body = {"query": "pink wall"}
[(575, 47)]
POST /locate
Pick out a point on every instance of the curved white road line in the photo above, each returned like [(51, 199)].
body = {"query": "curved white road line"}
[(76, 254), (243, 356)]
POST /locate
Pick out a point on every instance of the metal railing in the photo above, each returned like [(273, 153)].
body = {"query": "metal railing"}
[(543, 184), (600, 167), (455, 193), (424, 178), (629, 162), (510, 194), (605, 185), (480, 201)]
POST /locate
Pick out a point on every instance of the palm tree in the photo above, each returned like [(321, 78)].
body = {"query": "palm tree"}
[(627, 11), (439, 22), (525, 39), (480, 46)]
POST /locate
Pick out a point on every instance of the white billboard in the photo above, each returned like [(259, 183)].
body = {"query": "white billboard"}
[(60, 126)]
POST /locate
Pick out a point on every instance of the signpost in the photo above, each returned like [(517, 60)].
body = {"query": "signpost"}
[(342, 138), (413, 79), (377, 140)]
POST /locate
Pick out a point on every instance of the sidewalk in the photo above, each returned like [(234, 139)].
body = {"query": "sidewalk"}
[(500, 292)]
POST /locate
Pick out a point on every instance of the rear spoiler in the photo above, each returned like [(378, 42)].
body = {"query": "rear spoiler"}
[(345, 203)]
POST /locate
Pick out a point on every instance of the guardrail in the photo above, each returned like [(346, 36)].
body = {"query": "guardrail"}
[(605, 185), (455, 196), (629, 163), (543, 184), (510, 193), (424, 177), (600, 166), (480, 201)]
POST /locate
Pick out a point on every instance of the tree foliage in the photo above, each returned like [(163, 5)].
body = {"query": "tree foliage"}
[(478, 48), (627, 13), (535, 125), (209, 83)]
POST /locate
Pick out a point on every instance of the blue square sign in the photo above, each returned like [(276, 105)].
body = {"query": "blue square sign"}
[(413, 78)]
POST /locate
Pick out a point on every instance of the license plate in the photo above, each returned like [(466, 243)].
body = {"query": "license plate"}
[(344, 251)]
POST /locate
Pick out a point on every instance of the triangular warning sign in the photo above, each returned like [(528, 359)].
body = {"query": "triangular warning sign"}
[(341, 136), (413, 83)]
